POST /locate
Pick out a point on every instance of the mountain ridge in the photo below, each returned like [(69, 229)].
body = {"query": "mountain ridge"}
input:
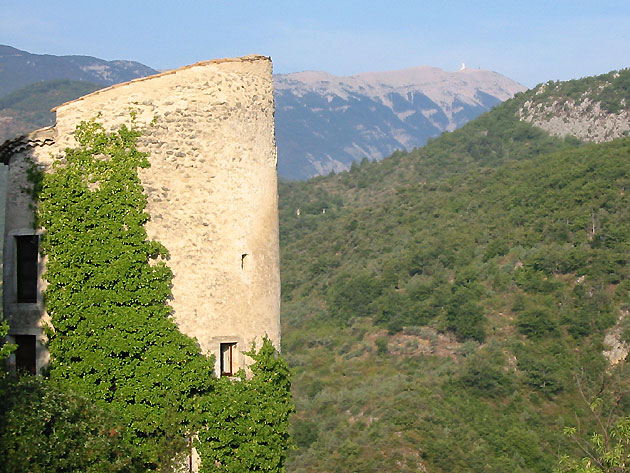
[(318, 128), (21, 68), (335, 120), (426, 77)]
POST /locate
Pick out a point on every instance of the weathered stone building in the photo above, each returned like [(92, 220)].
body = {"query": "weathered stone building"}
[(212, 197)]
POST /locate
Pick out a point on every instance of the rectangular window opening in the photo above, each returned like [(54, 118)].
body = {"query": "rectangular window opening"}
[(228, 352), (27, 250), (26, 354)]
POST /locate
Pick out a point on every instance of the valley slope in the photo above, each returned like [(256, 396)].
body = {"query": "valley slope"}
[(28, 109), (445, 309)]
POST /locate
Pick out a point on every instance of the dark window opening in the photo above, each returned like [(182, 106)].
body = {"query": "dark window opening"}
[(27, 248), (228, 351), (26, 353), (243, 256)]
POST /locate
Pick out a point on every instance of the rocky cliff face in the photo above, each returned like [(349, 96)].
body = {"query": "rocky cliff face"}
[(585, 120), (592, 109), (325, 122)]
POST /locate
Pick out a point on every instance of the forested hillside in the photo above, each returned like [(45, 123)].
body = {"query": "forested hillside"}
[(445, 309), (28, 109)]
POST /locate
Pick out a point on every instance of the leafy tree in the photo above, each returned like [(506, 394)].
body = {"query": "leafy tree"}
[(7, 348), (305, 433), (536, 322), (464, 316), (606, 452), (45, 429), (605, 441)]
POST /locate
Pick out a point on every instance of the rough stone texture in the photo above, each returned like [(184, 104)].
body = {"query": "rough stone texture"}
[(585, 120), (211, 187)]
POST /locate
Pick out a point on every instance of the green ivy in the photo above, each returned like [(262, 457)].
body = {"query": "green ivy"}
[(112, 338), (247, 421), (5, 348)]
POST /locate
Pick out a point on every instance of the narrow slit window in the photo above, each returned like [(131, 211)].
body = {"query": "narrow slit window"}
[(228, 352), (243, 256), (27, 250), (26, 354)]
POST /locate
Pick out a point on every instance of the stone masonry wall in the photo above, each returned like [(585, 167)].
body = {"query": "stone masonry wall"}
[(211, 187)]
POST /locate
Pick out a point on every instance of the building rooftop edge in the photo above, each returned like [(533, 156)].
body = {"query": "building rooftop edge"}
[(42, 137), (249, 58)]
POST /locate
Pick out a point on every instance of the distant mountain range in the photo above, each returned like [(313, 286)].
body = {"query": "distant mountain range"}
[(20, 68), (32, 84), (323, 122)]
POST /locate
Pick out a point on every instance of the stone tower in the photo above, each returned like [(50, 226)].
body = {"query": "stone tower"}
[(212, 197)]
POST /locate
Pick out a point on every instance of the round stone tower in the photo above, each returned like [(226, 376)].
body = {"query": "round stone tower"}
[(212, 197)]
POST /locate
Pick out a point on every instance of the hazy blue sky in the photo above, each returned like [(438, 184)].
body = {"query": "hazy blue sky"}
[(529, 41)]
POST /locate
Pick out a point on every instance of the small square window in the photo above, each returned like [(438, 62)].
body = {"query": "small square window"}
[(228, 353)]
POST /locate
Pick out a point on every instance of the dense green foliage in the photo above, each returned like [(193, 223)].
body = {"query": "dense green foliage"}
[(7, 348), (604, 442), (113, 341), (440, 310), (247, 427), (404, 243), (605, 452), (44, 429)]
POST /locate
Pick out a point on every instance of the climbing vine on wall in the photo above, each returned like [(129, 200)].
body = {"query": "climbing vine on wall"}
[(112, 339), (246, 424), (107, 291)]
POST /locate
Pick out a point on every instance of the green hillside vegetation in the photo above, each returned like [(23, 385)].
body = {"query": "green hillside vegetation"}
[(611, 90), (488, 141), (28, 109), (445, 308)]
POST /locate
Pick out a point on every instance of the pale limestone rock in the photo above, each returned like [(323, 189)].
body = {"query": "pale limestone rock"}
[(585, 120)]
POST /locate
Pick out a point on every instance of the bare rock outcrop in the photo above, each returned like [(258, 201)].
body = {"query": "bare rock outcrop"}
[(592, 108), (585, 120)]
